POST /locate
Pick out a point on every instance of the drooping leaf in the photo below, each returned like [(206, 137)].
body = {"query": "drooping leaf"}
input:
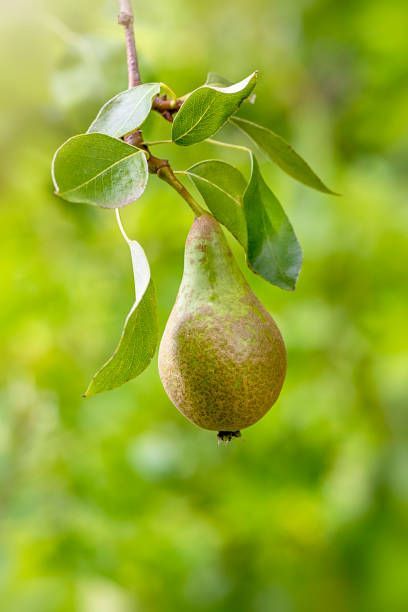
[(280, 152), (138, 342), (126, 111), (222, 187), (207, 109), (99, 170), (273, 250)]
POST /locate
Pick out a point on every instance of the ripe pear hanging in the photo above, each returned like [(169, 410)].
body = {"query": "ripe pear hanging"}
[(222, 359)]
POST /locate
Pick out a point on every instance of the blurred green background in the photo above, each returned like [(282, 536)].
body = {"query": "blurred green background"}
[(116, 503)]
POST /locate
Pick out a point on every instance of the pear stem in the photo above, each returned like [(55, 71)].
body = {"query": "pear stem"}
[(167, 175)]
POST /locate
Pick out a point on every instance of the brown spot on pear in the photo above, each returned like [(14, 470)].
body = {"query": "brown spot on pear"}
[(222, 359)]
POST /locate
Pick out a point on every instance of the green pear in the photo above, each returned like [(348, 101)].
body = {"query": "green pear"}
[(222, 359)]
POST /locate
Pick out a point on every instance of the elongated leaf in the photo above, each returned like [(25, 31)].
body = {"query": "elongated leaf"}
[(280, 152), (125, 112), (273, 250), (222, 187), (207, 109), (139, 338), (99, 170)]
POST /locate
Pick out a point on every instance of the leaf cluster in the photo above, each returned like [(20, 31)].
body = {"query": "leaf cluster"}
[(102, 169)]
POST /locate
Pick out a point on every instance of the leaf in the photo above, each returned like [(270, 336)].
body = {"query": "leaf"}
[(222, 187), (207, 109), (254, 216), (126, 111), (99, 170), (216, 79), (273, 250), (138, 342), (280, 152)]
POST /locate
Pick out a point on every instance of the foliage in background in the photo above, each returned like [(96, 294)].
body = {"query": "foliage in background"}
[(116, 502)]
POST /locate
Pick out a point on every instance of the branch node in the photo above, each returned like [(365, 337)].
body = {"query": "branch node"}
[(156, 164), (125, 19)]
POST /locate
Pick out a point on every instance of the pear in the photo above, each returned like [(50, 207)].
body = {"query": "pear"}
[(222, 359)]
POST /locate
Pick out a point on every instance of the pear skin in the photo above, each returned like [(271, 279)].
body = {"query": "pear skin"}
[(222, 359)]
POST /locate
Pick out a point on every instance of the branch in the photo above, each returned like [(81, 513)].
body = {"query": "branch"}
[(167, 108), (126, 19), (167, 175)]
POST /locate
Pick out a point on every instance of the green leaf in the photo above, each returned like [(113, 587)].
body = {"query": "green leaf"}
[(99, 170), (216, 79), (138, 342), (280, 152), (207, 109), (125, 112), (222, 187), (273, 250), (254, 216)]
